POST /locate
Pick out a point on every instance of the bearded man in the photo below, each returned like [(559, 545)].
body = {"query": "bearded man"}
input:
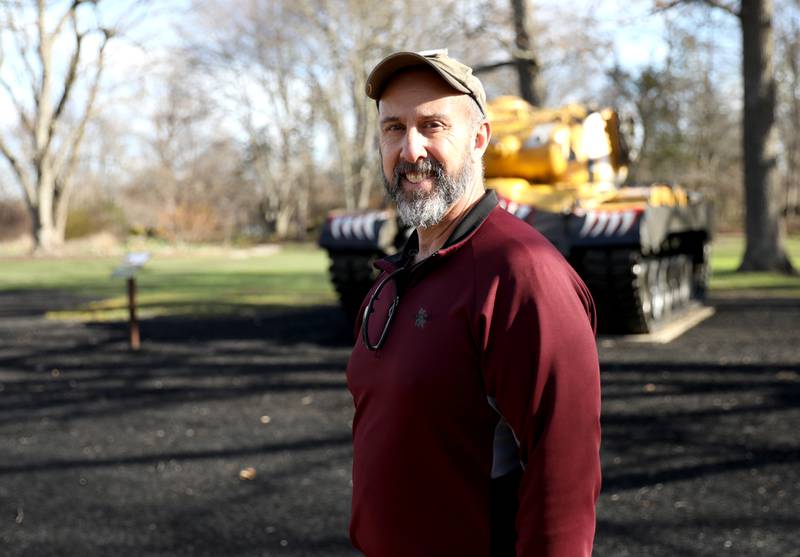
[(475, 375)]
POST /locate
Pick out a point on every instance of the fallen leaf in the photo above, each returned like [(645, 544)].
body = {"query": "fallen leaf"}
[(248, 473)]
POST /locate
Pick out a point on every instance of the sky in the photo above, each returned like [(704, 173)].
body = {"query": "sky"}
[(636, 35)]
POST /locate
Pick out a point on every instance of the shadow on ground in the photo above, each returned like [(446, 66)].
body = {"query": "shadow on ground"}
[(113, 452), (700, 450)]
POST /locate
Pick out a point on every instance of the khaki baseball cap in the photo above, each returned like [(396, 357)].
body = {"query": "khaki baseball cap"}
[(456, 74)]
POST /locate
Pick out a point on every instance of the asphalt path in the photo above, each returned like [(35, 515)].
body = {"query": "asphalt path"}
[(231, 436)]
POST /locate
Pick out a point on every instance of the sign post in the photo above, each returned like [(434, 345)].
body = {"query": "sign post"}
[(133, 321), (127, 270)]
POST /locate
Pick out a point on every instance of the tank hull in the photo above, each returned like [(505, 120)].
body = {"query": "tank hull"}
[(641, 250), (642, 263)]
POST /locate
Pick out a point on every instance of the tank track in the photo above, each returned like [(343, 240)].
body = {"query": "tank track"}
[(633, 293), (352, 275), (637, 294)]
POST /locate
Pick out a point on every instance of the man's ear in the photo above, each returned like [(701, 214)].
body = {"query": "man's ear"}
[(482, 137)]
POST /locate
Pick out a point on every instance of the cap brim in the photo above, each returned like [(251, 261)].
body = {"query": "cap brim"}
[(379, 76)]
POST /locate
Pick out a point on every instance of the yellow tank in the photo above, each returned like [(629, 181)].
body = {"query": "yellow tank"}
[(642, 250), (553, 158)]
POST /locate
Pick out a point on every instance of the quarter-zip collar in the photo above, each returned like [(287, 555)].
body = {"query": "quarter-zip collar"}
[(466, 228)]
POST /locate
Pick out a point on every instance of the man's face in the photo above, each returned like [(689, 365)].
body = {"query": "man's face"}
[(427, 138)]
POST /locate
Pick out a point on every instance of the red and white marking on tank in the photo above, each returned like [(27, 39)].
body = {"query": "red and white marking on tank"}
[(609, 223)]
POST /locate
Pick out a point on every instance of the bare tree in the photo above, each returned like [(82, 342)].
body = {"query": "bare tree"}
[(52, 106), (764, 226), (523, 56), (552, 52), (690, 129), (764, 223), (525, 59), (788, 42), (311, 59), (256, 57), (355, 34), (188, 183), (293, 73), (338, 83)]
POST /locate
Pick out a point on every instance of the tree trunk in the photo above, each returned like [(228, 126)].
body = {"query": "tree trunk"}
[(61, 212), (527, 68), (793, 139), (48, 237), (283, 222), (764, 225)]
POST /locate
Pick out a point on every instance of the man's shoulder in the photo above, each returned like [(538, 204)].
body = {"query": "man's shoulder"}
[(511, 255), (505, 237)]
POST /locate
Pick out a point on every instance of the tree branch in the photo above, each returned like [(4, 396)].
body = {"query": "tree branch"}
[(724, 6), (69, 149), (32, 76), (19, 171), (68, 14), (13, 97), (664, 5), (20, 42), (483, 68), (69, 81), (42, 95), (23, 117)]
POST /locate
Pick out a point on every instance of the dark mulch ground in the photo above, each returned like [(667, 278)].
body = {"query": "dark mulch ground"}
[(105, 452)]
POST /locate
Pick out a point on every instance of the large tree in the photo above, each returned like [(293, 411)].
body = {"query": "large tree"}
[(52, 57), (523, 57), (544, 52), (764, 223), (763, 214), (788, 43)]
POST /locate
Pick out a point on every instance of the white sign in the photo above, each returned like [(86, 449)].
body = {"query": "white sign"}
[(131, 264)]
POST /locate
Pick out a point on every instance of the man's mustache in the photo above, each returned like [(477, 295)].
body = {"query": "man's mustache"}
[(428, 166)]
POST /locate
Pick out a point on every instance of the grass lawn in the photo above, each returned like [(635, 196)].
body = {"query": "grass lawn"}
[(197, 281), (181, 283), (726, 255)]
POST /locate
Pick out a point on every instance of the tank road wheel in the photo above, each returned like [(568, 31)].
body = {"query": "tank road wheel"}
[(643, 292), (646, 299), (681, 281), (700, 272), (633, 293), (618, 280), (352, 275), (654, 283), (684, 280), (669, 283), (660, 293)]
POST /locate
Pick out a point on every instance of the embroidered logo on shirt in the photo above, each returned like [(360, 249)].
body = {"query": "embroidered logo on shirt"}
[(422, 318)]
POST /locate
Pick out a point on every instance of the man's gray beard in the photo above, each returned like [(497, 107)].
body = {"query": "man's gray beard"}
[(420, 209)]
